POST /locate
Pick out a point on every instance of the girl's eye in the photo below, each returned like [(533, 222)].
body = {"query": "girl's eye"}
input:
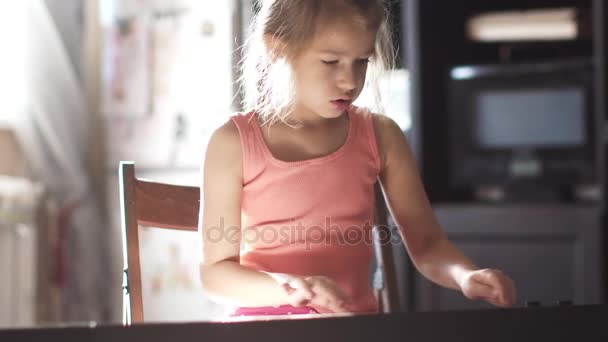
[(364, 60), (329, 62)]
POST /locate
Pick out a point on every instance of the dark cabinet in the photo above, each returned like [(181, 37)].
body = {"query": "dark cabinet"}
[(553, 253), (555, 248)]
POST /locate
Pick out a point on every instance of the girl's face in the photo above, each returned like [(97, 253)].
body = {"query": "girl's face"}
[(330, 72)]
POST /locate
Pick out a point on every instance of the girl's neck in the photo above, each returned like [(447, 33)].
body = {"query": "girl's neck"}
[(309, 119)]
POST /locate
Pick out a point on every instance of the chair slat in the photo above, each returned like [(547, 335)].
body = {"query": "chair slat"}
[(167, 206)]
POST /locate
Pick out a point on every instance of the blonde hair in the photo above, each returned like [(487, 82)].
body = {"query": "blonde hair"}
[(267, 81)]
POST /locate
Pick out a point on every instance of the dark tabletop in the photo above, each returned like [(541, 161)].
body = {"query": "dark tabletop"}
[(559, 323)]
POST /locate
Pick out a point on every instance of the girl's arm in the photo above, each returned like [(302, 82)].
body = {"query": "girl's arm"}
[(431, 252), (222, 276)]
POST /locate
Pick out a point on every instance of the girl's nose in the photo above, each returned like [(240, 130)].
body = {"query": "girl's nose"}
[(347, 81)]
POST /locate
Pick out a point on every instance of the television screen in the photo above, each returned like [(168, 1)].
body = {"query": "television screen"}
[(540, 117)]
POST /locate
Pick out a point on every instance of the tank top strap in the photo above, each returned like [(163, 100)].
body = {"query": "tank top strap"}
[(364, 123), (251, 147)]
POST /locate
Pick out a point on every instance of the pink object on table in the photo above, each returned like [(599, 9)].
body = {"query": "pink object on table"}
[(273, 310)]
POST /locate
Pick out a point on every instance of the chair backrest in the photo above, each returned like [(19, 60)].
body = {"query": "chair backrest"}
[(169, 206), (149, 204), (389, 295)]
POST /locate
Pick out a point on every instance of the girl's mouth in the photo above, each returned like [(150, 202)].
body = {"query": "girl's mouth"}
[(341, 104)]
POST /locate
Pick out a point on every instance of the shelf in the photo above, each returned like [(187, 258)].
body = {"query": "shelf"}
[(524, 51)]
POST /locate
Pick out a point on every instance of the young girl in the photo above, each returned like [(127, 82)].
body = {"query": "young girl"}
[(293, 178)]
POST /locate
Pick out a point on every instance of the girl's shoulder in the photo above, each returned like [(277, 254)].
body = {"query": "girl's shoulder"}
[(387, 132), (381, 122), (227, 131), (225, 142)]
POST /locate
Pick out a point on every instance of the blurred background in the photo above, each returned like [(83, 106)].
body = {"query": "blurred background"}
[(503, 102)]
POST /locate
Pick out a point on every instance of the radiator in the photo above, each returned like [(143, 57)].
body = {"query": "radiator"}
[(17, 275), (19, 201)]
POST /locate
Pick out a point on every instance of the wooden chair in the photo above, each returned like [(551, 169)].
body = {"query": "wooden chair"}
[(168, 206), (388, 297)]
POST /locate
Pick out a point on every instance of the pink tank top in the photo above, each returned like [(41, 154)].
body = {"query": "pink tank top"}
[(311, 217)]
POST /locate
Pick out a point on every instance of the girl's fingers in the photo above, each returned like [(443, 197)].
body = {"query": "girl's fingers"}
[(337, 308), (332, 303), (502, 288), (302, 286), (288, 288), (332, 298), (492, 279), (301, 301), (480, 290), (299, 292)]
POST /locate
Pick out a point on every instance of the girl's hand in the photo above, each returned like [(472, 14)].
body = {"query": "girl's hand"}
[(327, 294), (299, 291), (490, 285), (317, 291)]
